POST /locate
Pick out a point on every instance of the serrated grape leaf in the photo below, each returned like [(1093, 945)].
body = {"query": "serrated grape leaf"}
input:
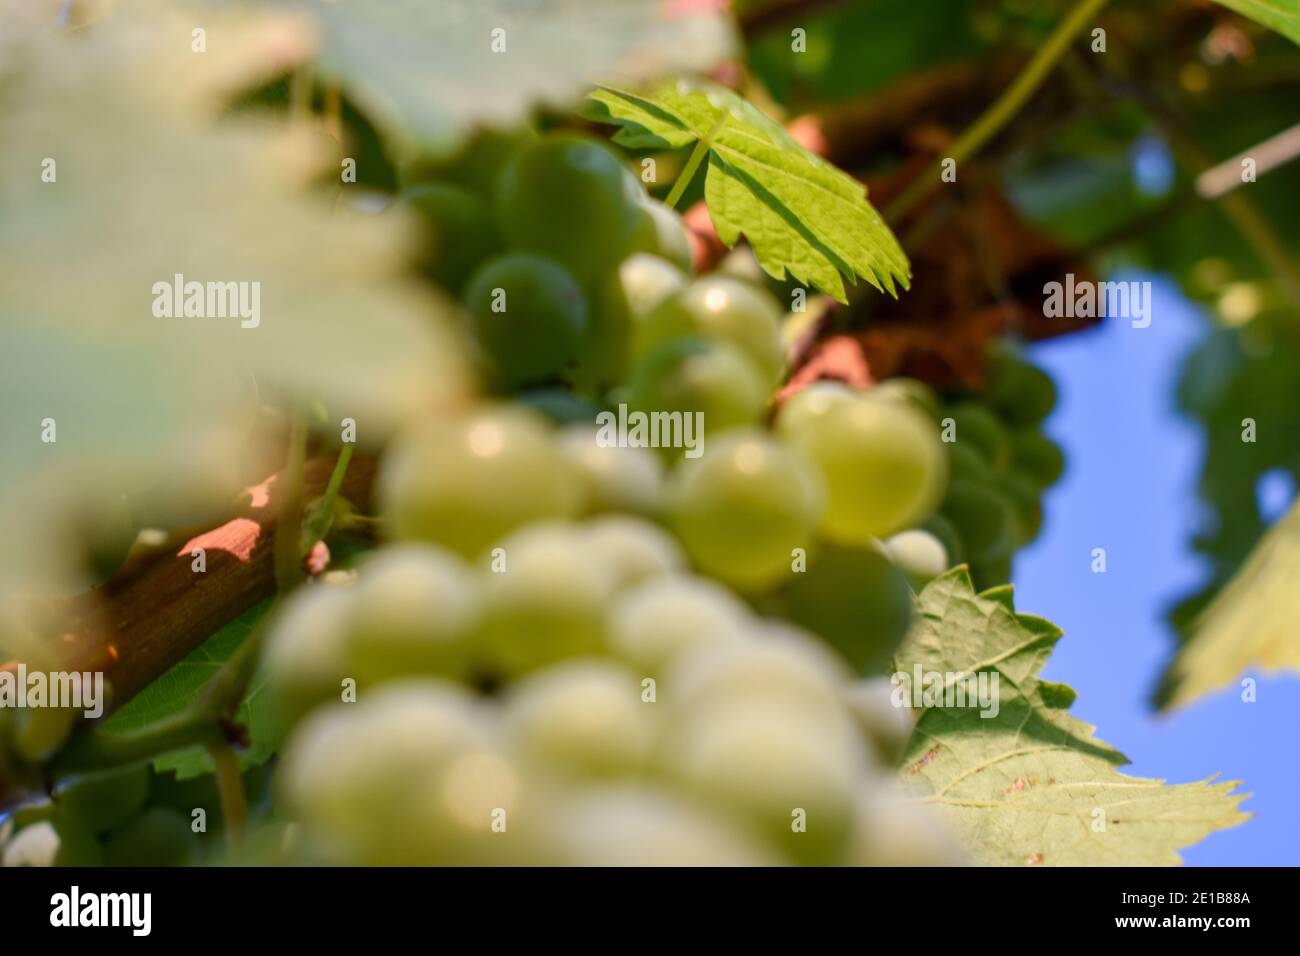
[(428, 73), (1280, 15), (1031, 785), (802, 216), (113, 181), (1250, 624), (176, 689)]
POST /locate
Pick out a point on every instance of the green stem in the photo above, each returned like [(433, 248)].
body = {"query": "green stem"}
[(1003, 109), (91, 750), (230, 791), (324, 515), (288, 526), (693, 163)]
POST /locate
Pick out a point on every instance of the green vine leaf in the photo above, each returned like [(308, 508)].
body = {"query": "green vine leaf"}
[(1280, 15), (429, 73), (1249, 624), (802, 216), (1031, 785), (176, 689)]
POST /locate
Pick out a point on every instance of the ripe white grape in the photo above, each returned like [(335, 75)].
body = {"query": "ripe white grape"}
[(102, 801), (918, 554), (652, 623), (306, 647), (465, 483), (547, 601), (743, 508), (615, 478), (414, 611), (647, 281), (633, 549), (692, 376), (768, 762), (884, 465), (892, 829), (888, 727), (722, 308), (400, 777), (661, 232), (643, 826), (810, 404), (582, 717), (58, 841)]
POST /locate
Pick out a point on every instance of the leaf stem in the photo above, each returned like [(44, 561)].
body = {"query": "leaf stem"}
[(693, 163), (1003, 109), (230, 790), (323, 517), (288, 526)]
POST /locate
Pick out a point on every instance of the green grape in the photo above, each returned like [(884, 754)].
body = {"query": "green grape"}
[(660, 232), (647, 282), (659, 619), (464, 233), (104, 801), (892, 829), (966, 461), (529, 316), (306, 647), (884, 465), (479, 165), (409, 775), (544, 599), (157, 837), (918, 554), (722, 308), (635, 551), (581, 717), (942, 528), (1022, 394), (981, 429), (744, 507), (57, 839), (465, 483), (777, 767), (560, 405), (855, 599), (911, 391), (633, 825), (565, 197), (694, 377), (415, 610), (991, 572), (40, 732), (983, 518), (614, 478), (810, 404), (1027, 509), (603, 351), (1036, 456)]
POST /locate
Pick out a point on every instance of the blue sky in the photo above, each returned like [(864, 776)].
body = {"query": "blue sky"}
[(1132, 463)]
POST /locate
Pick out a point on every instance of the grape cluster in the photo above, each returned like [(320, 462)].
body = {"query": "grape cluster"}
[(1001, 462), (575, 650)]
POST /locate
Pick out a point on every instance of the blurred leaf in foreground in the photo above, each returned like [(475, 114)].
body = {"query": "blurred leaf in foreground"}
[(429, 73), (113, 185), (1031, 785)]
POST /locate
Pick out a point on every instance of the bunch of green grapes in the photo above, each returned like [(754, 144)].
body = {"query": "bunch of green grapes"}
[(1001, 463)]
